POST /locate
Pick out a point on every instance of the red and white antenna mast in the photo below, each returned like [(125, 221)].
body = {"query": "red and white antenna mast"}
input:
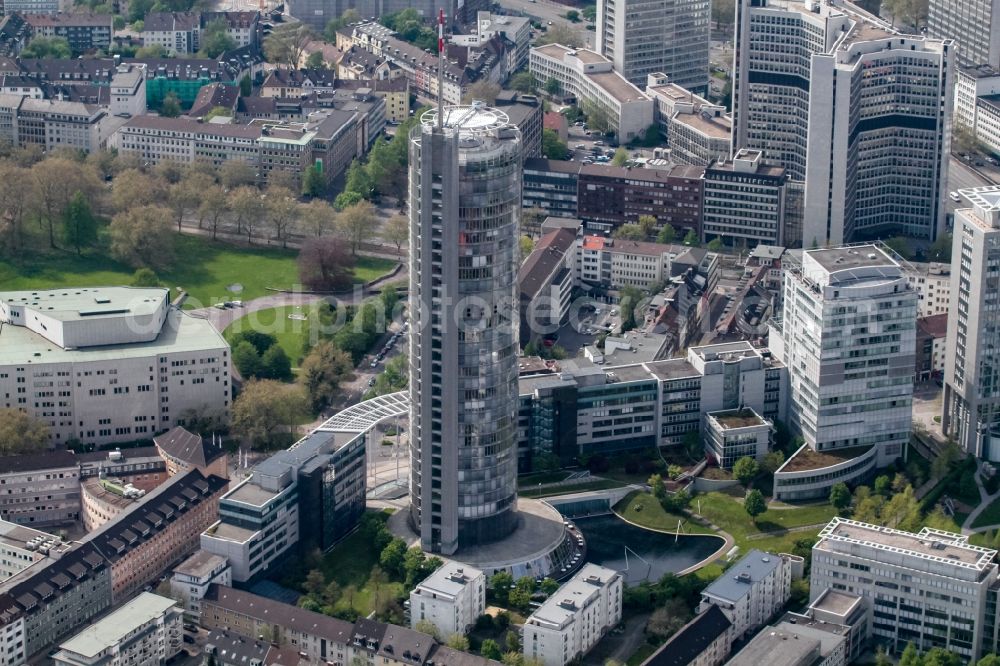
[(441, 58)]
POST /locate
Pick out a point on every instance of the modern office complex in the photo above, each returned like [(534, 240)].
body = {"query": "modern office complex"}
[(590, 78), (319, 479), (932, 588), (971, 412), (847, 336), (465, 203), (973, 24), (108, 364), (697, 131), (642, 37), (451, 599), (790, 59), (574, 618), (145, 631)]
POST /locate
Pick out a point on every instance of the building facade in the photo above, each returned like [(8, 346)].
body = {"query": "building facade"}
[(451, 599), (973, 24), (84, 32), (110, 364), (40, 489), (744, 201), (574, 618), (465, 192), (192, 577), (847, 336), (734, 434), (752, 591), (971, 412), (642, 37)]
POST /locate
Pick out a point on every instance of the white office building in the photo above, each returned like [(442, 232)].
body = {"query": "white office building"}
[(108, 364), (575, 617), (848, 337), (751, 591), (697, 131), (645, 36), (929, 588), (971, 412), (973, 24), (144, 632), (816, 88), (977, 104), (591, 79), (191, 579), (451, 598)]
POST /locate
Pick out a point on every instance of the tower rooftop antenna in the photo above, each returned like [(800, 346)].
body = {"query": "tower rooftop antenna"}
[(440, 99)]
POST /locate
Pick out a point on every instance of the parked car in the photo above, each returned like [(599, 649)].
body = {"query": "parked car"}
[(954, 196)]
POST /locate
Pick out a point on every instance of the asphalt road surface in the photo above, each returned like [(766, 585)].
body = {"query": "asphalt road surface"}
[(545, 11)]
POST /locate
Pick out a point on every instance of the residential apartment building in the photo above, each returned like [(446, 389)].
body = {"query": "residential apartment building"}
[(590, 78), (932, 282), (182, 450), (932, 588), (175, 32), (109, 364), (791, 644), (39, 606), (977, 104), (545, 285), (321, 479), (609, 196), (85, 32), (157, 531), (789, 58), (40, 488), (574, 618), (612, 263), (284, 82), (704, 641), (514, 29), (451, 599), (932, 347), (847, 336), (551, 186), (192, 578), (973, 24), (645, 36), (743, 201), (971, 414), (146, 631), (751, 591), (330, 140), (696, 131)]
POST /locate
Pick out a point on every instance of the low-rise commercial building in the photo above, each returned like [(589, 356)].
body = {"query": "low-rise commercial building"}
[(751, 591), (932, 282), (146, 631), (589, 78), (734, 434), (23, 547), (575, 617), (109, 364), (977, 104), (696, 131), (40, 488), (192, 577), (789, 644), (550, 186), (54, 123), (451, 599), (140, 466)]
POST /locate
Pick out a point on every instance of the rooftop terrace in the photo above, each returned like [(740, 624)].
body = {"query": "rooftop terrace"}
[(807, 459)]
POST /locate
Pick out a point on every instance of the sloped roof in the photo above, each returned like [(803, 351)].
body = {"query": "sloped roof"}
[(188, 447)]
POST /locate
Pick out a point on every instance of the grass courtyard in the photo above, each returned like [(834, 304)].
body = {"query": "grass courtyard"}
[(989, 516), (290, 325), (205, 268)]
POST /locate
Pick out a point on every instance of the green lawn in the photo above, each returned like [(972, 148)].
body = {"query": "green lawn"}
[(644, 652), (989, 516), (290, 332), (528, 480), (644, 509), (728, 513), (202, 267), (602, 484)]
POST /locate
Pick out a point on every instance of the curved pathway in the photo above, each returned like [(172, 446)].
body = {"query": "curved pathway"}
[(985, 500)]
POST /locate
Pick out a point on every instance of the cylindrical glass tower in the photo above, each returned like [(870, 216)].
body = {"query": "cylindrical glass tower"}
[(465, 203)]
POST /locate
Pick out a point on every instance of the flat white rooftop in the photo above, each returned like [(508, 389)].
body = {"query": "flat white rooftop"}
[(564, 604), (88, 303), (116, 626)]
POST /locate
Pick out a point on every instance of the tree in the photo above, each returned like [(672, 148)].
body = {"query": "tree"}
[(754, 504), (940, 250), (500, 584), (262, 408), (317, 217), (714, 245), (247, 360), (667, 234), (425, 626), (840, 496), (246, 86), (79, 223), (54, 182), (901, 246), (512, 641), (47, 48), (214, 205), (948, 455), (552, 146), (133, 188), (215, 39), (141, 237), (286, 43), (597, 117), (314, 583), (589, 12), (151, 51), (560, 34), (458, 642), (274, 364), (186, 195), (357, 223), (21, 432), (620, 158), (657, 487), (665, 621), (553, 86), (396, 230), (281, 211), (772, 461), (902, 511), (218, 112), (987, 660), (313, 182), (523, 82), (549, 586), (247, 206), (321, 373), (691, 238), (745, 469), (15, 181), (647, 223), (345, 19), (482, 91), (233, 174), (171, 105), (392, 556), (632, 232), (724, 11), (910, 656), (941, 657), (491, 650), (325, 264), (573, 16), (144, 277), (883, 485)]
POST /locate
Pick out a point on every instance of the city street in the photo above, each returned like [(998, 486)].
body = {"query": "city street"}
[(545, 11)]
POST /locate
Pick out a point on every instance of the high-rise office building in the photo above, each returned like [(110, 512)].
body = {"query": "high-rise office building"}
[(850, 106), (848, 337), (465, 203), (643, 37), (973, 24), (971, 412)]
